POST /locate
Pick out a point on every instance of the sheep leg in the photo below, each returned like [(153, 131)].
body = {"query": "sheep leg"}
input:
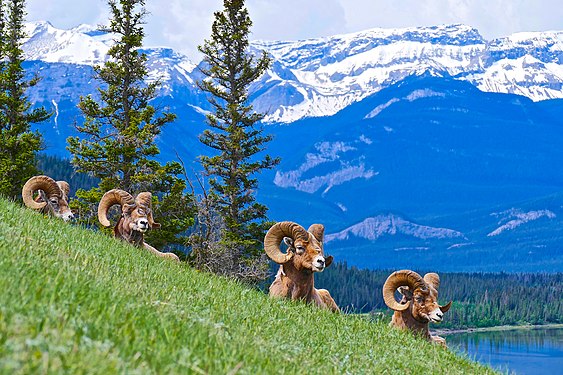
[(439, 340), (160, 254), (327, 300)]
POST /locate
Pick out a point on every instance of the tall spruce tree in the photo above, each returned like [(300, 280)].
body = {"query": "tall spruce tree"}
[(120, 128), (236, 133), (18, 143)]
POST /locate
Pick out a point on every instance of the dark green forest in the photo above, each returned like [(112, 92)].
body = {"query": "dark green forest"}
[(479, 299), (61, 169)]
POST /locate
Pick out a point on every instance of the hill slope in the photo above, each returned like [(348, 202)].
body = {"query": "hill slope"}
[(76, 301)]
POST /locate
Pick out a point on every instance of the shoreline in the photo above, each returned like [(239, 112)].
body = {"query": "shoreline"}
[(447, 331)]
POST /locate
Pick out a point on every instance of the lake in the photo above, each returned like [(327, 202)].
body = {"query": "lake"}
[(518, 351)]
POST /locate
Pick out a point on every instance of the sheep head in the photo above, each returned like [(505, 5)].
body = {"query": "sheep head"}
[(136, 212), (419, 295), (53, 196), (305, 248)]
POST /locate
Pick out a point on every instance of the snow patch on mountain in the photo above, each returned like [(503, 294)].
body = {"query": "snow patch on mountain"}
[(517, 217), (365, 139), (56, 116), (377, 110), (425, 93), (326, 152), (373, 228), (170, 68), (526, 75), (415, 95)]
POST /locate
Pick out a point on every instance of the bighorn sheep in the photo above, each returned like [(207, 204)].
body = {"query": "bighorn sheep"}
[(419, 304), (52, 198), (304, 257), (136, 218)]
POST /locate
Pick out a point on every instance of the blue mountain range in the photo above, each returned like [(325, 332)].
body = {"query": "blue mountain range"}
[(433, 158)]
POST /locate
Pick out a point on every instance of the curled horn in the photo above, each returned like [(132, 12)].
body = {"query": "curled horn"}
[(45, 183), (434, 280), (401, 278), (114, 196), (145, 199), (65, 188), (276, 234), (318, 230)]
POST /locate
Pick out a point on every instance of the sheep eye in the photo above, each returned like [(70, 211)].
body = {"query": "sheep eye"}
[(300, 249)]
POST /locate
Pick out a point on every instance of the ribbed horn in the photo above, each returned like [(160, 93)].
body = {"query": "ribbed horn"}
[(145, 199), (65, 188), (110, 198), (45, 183), (401, 278), (276, 234)]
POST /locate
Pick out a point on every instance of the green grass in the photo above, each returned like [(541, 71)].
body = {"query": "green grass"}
[(75, 301)]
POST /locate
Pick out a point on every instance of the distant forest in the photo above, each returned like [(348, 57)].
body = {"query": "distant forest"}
[(479, 299), (61, 169)]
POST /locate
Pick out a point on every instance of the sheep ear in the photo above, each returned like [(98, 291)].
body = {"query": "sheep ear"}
[(288, 241), (328, 260), (156, 226)]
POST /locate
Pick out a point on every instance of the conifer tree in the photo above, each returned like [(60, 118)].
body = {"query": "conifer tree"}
[(120, 127), (18, 143), (235, 133)]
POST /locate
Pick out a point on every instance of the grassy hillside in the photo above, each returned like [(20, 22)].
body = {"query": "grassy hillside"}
[(75, 301)]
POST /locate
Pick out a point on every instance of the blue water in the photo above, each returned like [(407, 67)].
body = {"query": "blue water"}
[(522, 351)]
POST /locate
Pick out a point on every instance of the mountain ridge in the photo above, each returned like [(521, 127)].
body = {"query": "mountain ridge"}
[(319, 77)]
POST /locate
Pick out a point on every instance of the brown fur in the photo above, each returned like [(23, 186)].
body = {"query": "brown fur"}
[(418, 315), (295, 278), (126, 229), (415, 319)]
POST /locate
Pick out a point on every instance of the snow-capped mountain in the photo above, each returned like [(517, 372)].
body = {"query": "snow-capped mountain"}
[(80, 45), (319, 77), (328, 74)]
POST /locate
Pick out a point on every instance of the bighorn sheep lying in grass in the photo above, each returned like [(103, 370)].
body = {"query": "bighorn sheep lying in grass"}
[(419, 304), (303, 258), (52, 198), (136, 218)]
